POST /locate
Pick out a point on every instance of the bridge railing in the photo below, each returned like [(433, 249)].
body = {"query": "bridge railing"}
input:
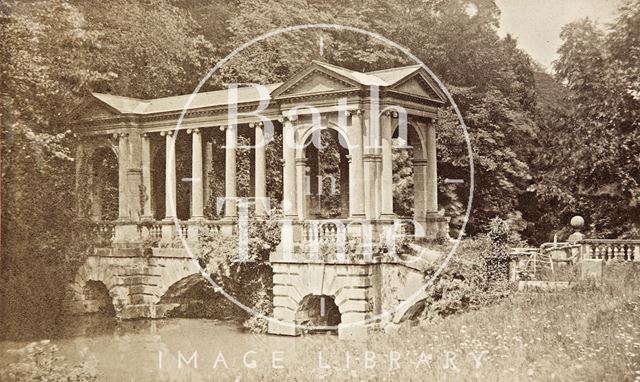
[(610, 249), (105, 231), (156, 230)]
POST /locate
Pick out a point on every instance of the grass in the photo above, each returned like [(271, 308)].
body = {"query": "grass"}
[(587, 333)]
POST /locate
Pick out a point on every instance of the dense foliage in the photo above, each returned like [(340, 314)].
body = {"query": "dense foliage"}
[(39, 361), (590, 163)]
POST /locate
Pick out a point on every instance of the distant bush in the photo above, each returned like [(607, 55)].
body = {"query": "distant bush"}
[(497, 258), (39, 362), (462, 285)]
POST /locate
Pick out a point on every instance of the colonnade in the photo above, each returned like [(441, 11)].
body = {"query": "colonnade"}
[(370, 168)]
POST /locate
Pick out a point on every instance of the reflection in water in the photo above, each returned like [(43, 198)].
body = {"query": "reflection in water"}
[(151, 350)]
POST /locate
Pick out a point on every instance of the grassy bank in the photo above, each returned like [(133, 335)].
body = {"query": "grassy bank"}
[(588, 333)]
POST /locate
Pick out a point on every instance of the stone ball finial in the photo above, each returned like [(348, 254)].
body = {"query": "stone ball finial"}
[(577, 222)]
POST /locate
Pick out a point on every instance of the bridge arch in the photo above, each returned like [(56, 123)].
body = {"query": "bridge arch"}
[(135, 283), (318, 310)]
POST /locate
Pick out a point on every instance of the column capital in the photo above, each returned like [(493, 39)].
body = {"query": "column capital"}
[(145, 135), (120, 135), (290, 118), (166, 133), (223, 127), (256, 124), (390, 113), (194, 131)]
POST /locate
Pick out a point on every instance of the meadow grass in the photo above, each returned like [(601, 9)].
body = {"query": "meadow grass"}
[(587, 333)]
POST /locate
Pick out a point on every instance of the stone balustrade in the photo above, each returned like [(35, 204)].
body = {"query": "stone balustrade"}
[(161, 230), (624, 250), (106, 231)]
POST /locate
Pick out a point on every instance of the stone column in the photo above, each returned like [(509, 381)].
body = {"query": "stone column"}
[(301, 185), (134, 176), (290, 233), (289, 170), (230, 171), (208, 168), (356, 167), (386, 173), (436, 224), (170, 176), (147, 212), (123, 165), (371, 143), (260, 170), (432, 171), (197, 189)]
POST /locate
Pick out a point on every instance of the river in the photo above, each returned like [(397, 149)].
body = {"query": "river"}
[(150, 350)]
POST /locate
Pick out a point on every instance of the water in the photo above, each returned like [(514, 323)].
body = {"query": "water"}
[(148, 350)]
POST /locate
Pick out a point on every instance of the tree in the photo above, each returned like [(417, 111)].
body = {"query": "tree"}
[(54, 52), (491, 78), (590, 158)]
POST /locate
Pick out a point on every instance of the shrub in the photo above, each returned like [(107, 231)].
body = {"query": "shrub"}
[(497, 259), (462, 285), (38, 362), (248, 280)]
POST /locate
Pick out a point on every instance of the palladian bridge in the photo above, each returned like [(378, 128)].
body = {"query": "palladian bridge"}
[(162, 173)]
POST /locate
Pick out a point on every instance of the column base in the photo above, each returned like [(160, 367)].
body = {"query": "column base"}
[(227, 225), (193, 228), (168, 229), (126, 232), (435, 226)]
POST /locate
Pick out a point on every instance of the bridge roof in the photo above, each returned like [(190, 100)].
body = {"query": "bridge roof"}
[(249, 94), (129, 105), (385, 77)]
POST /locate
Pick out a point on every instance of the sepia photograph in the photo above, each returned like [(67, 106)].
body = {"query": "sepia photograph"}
[(302, 190)]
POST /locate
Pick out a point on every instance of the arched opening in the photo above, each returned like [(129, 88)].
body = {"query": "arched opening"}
[(408, 173), (194, 297), (326, 176), (97, 298), (103, 185), (320, 311)]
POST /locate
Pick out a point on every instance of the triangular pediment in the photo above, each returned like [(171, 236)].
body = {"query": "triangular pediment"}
[(419, 85), (315, 80), (93, 109), (97, 109)]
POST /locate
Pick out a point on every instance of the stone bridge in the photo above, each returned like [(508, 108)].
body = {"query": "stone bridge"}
[(135, 283), (138, 148)]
